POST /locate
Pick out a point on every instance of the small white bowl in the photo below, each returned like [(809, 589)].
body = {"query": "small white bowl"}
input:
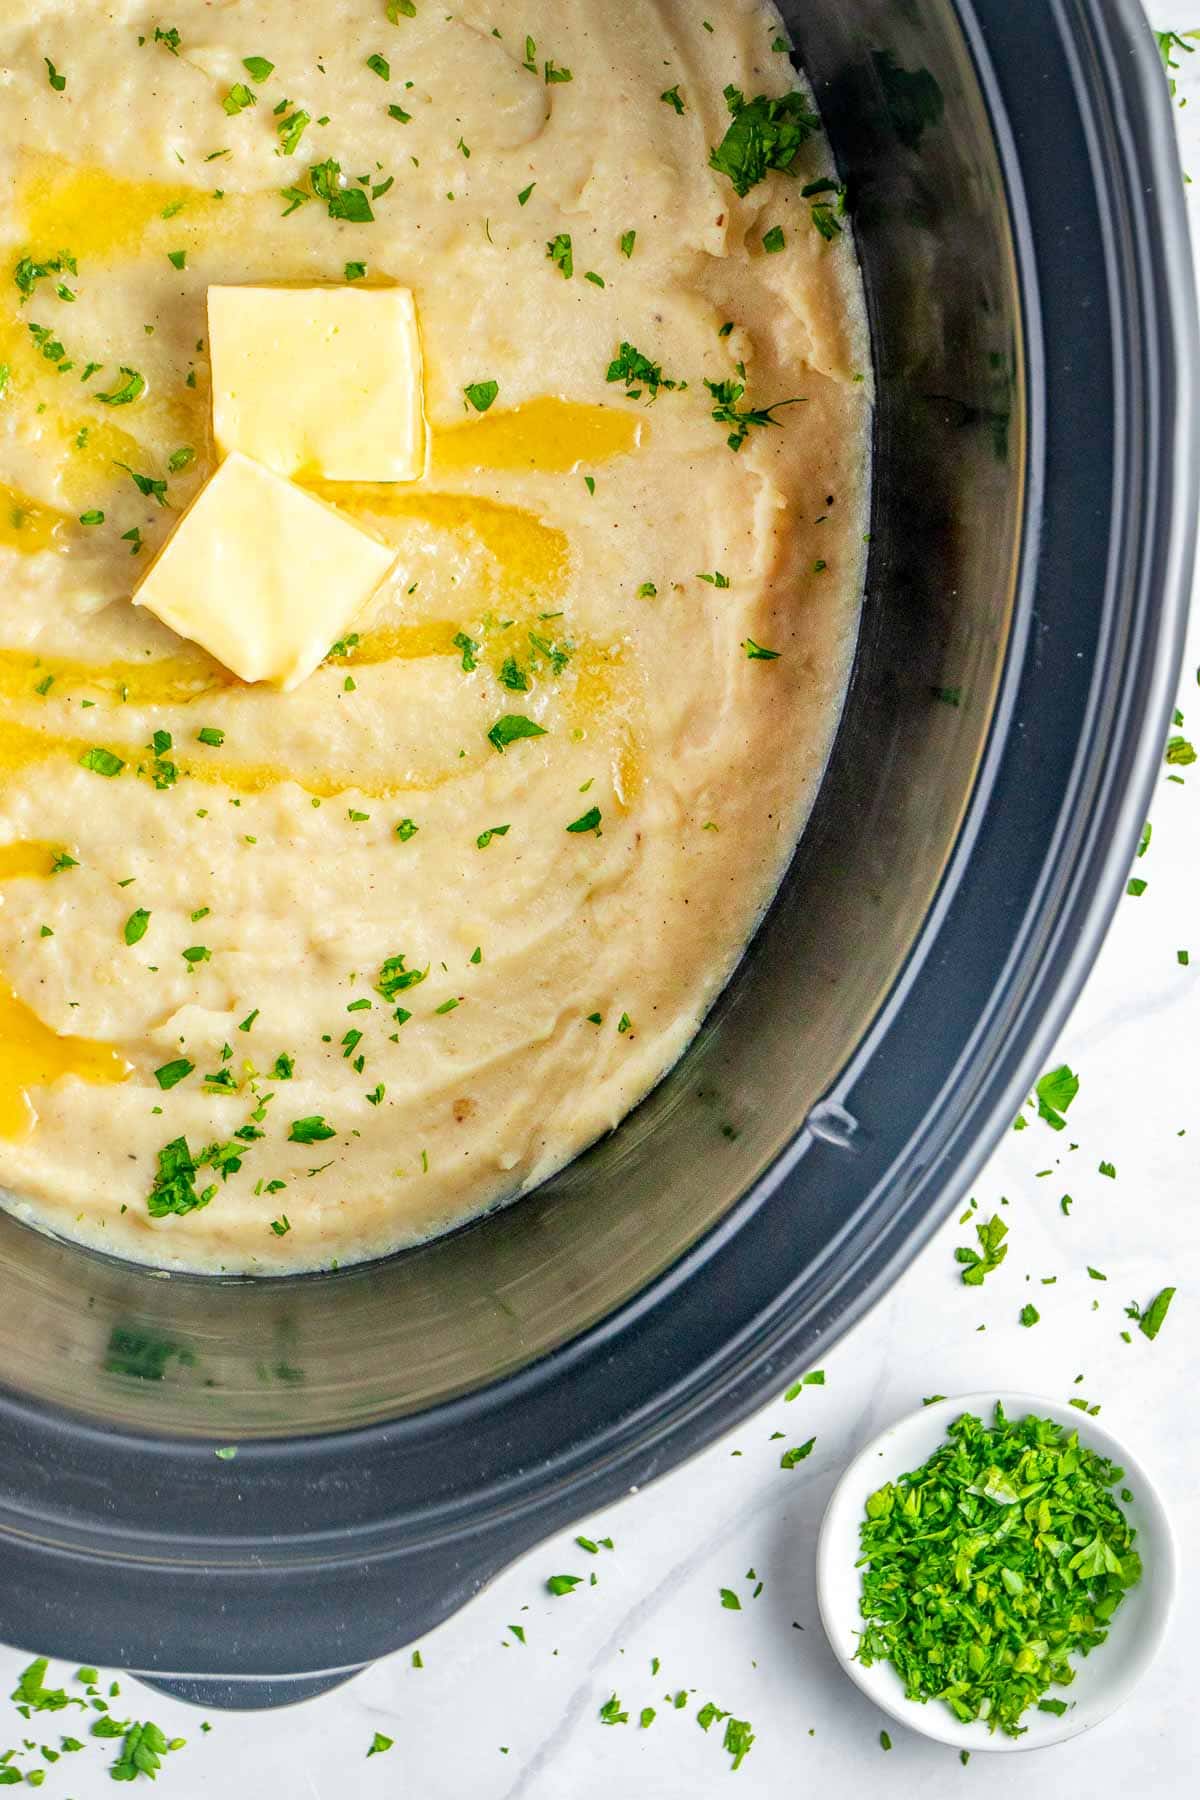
[(1103, 1680)]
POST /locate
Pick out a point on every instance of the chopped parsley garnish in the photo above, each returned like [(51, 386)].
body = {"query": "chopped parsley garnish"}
[(715, 578), (558, 249), (647, 591), (238, 99), (759, 652), (355, 271), (146, 485), (469, 647), (284, 1067), (311, 1130), (589, 821), (628, 240), (101, 762), (174, 1189), (380, 66), (764, 134), (132, 388), (348, 203), (395, 977), (624, 1024), (727, 411), (172, 1073), (291, 129), (398, 9), (991, 1253), (513, 677), (406, 829), (511, 728), (554, 73), (28, 273), (774, 240), (480, 394), (258, 68), (398, 113), (988, 1568), (136, 926), (638, 373), (169, 39), (57, 82), (524, 194), (826, 211), (493, 831), (210, 735), (674, 99)]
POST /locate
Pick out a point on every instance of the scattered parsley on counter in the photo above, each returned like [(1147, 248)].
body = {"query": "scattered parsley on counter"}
[(563, 1584), (991, 1253), (1055, 1092), (790, 1458), (379, 1744), (1030, 1315), (1149, 1323), (988, 1568), (730, 1601), (611, 1714), (764, 134), (142, 1751)]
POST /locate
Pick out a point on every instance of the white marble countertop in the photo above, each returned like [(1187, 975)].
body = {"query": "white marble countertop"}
[(489, 1718)]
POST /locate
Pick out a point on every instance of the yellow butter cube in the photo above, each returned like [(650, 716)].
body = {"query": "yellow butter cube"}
[(262, 575), (322, 383)]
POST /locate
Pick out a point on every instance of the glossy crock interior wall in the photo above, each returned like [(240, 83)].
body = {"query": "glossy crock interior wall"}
[(120, 1344)]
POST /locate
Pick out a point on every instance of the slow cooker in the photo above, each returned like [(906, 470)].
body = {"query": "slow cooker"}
[(390, 1436)]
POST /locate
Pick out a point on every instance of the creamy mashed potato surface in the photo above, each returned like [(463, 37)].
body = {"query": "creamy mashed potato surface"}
[(289, 980)]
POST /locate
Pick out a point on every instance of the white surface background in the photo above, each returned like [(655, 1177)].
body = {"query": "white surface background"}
[(1135, 1040)]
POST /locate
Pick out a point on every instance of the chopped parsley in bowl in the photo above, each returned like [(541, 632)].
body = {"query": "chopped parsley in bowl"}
[(995, 1572)]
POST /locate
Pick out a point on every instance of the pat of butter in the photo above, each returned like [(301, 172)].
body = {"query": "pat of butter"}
[(322, 383), (262, 575)]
